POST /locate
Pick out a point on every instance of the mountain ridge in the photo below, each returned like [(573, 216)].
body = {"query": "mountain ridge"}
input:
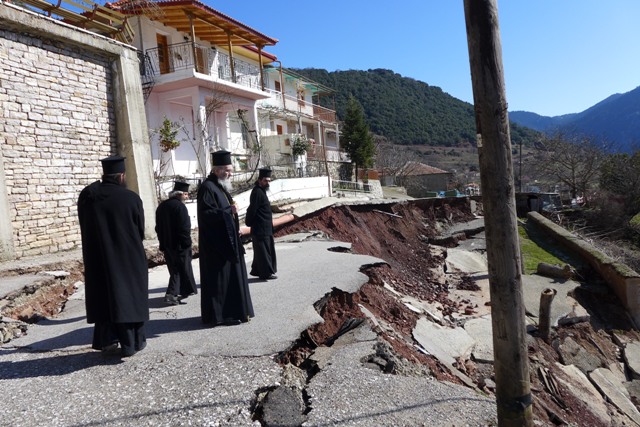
[(614, 120), (408, 111)]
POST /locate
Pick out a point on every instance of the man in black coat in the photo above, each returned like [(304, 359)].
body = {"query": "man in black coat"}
[(260, 219), (173, 226), (224, 288), (115, 264)]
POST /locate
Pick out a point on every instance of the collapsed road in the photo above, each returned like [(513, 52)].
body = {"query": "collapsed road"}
[(379, 317)]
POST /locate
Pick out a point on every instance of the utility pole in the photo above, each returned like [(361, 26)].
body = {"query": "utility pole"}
[(513, 389)]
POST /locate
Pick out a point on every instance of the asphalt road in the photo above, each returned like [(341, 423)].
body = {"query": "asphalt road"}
[(200, 376)]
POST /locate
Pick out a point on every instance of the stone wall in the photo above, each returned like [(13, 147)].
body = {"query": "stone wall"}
[(620, 278), (68, 98), (57, 121)]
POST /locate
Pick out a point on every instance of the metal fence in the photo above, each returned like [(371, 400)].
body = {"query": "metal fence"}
[(351, 186), (207, 60)]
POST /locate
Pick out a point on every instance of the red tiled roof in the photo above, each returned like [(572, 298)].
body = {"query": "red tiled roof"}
[(207, 20)]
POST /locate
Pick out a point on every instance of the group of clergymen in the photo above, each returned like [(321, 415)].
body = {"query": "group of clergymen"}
[(115, 264)]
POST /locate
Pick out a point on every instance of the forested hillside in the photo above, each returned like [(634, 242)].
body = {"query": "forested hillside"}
[(407, 111)]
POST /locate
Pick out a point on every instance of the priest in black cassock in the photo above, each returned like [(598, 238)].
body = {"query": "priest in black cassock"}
[(173, 227), (115, 264), (260, 219), (224, 288)]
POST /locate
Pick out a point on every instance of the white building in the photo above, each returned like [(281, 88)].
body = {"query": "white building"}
[(210, 77), (294, 112)]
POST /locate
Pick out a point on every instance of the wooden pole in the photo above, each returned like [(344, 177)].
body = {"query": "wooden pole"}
[(544, 313), (513, 389), (193, 43)]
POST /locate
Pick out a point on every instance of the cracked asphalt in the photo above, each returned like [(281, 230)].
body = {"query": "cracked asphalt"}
[(191, 375)]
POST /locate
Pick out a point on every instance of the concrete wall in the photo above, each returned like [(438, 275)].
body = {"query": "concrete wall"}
[(620, 278), (280, 189), (68, 98)]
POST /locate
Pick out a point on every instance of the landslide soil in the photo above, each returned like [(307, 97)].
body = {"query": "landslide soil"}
[(399, 234), (403, 234)]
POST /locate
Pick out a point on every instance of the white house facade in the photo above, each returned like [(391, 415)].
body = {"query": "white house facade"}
[(208, 75), (293, 112)]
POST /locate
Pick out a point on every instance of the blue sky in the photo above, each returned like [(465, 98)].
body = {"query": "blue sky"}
[(559, 56)]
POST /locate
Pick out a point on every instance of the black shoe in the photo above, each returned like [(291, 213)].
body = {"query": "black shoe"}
[(272, 277), (183, 297), (172, 300), (110, 350)]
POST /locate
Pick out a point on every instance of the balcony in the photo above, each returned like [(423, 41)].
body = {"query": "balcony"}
[(279, 145), (291, 103), (334, 154), (209, 61)]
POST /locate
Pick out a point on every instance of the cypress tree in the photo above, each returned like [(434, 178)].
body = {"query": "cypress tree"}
[(355, 137)]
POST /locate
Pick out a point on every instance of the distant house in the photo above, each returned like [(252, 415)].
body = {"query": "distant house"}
[(420, 179)]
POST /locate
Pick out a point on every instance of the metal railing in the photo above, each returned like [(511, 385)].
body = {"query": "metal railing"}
[(333, 154), (357, 187), (207, 61), (291, 103)]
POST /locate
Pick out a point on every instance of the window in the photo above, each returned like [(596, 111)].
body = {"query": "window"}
[(278, 87), (279, 129)]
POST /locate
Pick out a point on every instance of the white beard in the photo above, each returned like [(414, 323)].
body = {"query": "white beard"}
[(226, 184)]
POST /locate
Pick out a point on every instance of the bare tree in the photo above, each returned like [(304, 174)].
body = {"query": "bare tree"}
[(572, 161), (390, 158)]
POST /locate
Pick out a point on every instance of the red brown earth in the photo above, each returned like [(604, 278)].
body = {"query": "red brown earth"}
[(402, 239), (403, 234)]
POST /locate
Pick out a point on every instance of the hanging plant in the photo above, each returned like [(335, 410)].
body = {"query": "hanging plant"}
[(300, 145), (167, 134)]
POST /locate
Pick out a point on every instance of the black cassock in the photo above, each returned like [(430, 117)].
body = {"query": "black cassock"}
[(224, 288), (115, 264), (260, 219), (173, 226)]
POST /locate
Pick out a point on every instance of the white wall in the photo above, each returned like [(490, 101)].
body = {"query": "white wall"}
[(280, 189)]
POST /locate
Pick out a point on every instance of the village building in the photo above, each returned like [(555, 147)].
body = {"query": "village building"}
[(87, 81), (422, 180), (210, 85)]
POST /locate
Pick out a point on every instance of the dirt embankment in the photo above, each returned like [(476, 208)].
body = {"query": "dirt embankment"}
[(404, 234), (400, 234), (408, 235)]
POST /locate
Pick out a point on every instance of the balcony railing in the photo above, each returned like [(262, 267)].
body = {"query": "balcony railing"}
[(210, 61), (291, 103), (350, 186), (315, 152)]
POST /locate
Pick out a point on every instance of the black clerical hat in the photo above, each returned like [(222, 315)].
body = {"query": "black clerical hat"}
[(112, 165), (264, 173), (221, 158), (181, 186)]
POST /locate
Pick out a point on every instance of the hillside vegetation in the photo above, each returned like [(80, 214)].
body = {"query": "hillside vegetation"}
[(407, 111)]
